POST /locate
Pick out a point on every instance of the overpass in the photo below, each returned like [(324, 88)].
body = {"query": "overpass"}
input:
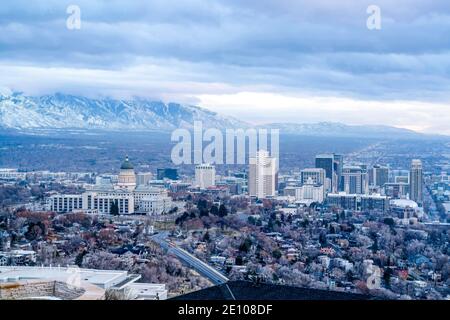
[(201, 267)]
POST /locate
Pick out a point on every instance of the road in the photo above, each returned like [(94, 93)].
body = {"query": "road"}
[(201, 267)]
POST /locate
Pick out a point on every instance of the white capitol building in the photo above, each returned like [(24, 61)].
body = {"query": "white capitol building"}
[(123, 197)]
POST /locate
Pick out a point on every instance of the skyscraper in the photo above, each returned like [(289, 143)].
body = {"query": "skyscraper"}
[(379, 175), (354, 180), (205, 176), (416, 181), (316, 174), (262, 175), (332, 164)]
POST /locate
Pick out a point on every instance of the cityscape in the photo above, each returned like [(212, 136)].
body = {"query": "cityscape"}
[(344, 228), (211, 150)]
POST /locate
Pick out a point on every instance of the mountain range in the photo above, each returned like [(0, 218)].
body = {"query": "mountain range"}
[(63, 111)]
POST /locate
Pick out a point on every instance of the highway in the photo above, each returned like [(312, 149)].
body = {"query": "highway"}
[(201, 267)]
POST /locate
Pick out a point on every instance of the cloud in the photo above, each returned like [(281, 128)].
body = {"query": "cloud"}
[(187, 50), (418, 116)]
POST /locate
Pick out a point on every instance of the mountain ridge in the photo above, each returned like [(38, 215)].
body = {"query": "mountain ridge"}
[(64, 111)]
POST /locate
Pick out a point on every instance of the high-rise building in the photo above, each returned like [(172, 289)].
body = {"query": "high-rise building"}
[(262, 175), (378, 176), (416, 181), (332, 164), (354, 180), (205, 176), (338, 165), (316, 174)]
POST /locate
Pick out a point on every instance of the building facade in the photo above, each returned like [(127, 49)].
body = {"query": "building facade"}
[(416, 181), (262, 175), (205, 176), (124, 197), (316, 174), (358, 202), (378, 176), (333, 165), (354, 180)]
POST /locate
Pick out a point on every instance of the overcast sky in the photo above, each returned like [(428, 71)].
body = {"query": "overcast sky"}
[(261, 61)]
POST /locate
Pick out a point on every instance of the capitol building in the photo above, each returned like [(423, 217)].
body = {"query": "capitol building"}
[(123, 197)]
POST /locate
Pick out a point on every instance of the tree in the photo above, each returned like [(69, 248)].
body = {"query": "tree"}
[(79, 258), (389, 221), (114, 209), (202, 204), (375, 246), (322, 239), (223, 211), (276, 254), (214, 210), (204, 213), (245, 245)]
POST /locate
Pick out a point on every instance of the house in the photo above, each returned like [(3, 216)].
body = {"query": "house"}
[(218, 259), (242, 269), (327, 251)]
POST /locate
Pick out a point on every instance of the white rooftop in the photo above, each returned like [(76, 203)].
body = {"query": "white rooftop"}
[(403, 203)]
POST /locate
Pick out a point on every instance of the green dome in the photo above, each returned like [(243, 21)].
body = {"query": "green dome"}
[(126, 164)]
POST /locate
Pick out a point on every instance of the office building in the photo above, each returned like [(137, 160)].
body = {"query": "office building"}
[(316, 174), (262, 175), (205, 176), (378, 176), (307, 193), (416, 181), (358, 202), (333, 165), (354, 180)]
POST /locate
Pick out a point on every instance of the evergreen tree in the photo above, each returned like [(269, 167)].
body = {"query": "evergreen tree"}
[(214, 210), (223, 211), (79, 258)]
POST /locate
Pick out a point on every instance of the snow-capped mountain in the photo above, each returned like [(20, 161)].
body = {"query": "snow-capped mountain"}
[(60, 111), (337, 129)]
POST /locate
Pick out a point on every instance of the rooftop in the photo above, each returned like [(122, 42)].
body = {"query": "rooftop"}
[(245, 290), (126, 165)]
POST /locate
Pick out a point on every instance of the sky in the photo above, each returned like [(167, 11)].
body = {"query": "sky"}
[(260, 61)]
